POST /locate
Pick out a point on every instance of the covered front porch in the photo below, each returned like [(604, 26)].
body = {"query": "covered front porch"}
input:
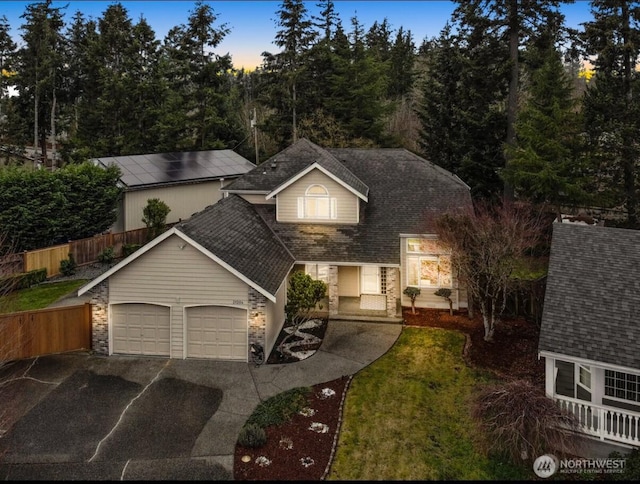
[(355, 309), (358, 292), (604, 398)]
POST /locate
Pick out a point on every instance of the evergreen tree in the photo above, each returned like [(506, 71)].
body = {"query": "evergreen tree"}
[(611, 107), (38, 67), (545, 161), (401, 65), (286, 69), (513, 22), (147, 89), (210, 102), (7, 50), (114, 106), (462, 116), (358, 87)]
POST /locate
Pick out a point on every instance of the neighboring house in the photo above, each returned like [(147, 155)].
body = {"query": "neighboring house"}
[(359, 219), (187, 182), (590, 334)]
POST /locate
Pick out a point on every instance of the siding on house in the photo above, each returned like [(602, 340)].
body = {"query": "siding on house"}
[(177, 277), (183, 200), (347, 202), (275, 318)]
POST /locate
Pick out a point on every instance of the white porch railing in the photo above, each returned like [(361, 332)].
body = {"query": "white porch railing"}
[(604, 422)]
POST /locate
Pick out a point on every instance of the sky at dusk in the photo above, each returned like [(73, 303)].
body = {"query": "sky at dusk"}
[(253, 26)]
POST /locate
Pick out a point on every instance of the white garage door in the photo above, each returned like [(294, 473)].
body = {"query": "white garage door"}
[(140, 329), (217, 332)]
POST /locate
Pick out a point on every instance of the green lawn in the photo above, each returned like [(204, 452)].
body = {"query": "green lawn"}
[(38, 297), (406, 416)]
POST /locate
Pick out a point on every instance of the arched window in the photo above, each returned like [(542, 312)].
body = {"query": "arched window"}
[(316, 203)]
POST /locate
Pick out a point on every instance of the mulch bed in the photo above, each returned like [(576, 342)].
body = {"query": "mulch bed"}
[(294, 450), (276, 357)]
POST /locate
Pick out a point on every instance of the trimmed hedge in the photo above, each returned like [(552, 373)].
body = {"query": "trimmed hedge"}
[(22, 280)]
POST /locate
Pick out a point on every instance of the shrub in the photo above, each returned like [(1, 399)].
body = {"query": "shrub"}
[(520, 421), (155, 217), (22, 280), (252, 435), (413, 293), (280, 408), (128, 249), (107, 256), (631, 466), (446, 294), (68, 266)]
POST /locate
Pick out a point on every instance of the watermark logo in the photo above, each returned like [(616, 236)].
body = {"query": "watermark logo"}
[(545, 466)]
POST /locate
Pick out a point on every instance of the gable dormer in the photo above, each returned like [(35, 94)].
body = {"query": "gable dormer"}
[(307, 184), (315, 195)]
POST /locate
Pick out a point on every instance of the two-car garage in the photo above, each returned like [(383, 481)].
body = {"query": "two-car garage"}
[(212, 332), (174, 299)]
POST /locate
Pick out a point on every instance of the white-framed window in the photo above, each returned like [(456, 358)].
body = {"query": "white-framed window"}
[(319, 272), (428, 264), (317, 204), (584, 377), (623, 386)]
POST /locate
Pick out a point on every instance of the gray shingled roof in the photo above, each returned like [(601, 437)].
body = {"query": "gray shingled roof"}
[(406, 194), (291, 161), (168, 168), (593, 295), (232, 230)]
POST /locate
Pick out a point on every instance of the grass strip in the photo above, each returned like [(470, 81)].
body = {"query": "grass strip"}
[(38, 297), (407, 417)]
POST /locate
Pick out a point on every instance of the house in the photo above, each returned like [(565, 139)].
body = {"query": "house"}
[(359, 219), (590, 333), (187, 182)]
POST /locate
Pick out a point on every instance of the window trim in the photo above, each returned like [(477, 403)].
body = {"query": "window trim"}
[(579, 367), (324, 198), (618, 399)]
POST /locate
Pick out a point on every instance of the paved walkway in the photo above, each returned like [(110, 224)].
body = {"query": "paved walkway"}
[(79, 416)]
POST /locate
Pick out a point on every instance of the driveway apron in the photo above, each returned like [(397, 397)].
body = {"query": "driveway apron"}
[(79, 416)]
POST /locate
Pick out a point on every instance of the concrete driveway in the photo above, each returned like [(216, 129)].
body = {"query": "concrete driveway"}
[(78, 416)]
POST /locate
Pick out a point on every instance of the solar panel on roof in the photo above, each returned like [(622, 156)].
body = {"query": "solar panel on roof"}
[(174, 167)]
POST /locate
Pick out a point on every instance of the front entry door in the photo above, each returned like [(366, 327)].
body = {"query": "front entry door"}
[(370, 283)]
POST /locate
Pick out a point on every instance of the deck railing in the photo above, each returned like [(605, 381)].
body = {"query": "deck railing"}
[(604, 422)]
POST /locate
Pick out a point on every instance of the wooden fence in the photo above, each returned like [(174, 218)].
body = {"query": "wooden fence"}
[(85, 251), (46, 331)]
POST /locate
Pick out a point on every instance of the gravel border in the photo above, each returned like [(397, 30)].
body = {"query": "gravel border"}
[(87, 271)]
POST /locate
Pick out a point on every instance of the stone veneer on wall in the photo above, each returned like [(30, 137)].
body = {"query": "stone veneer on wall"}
[(392, 274), (257, 321), (333, 291), (99, 318)]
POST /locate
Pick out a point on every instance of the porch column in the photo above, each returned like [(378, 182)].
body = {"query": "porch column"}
[(392, 274), (549, 376), (333, 291), (597, 385)]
